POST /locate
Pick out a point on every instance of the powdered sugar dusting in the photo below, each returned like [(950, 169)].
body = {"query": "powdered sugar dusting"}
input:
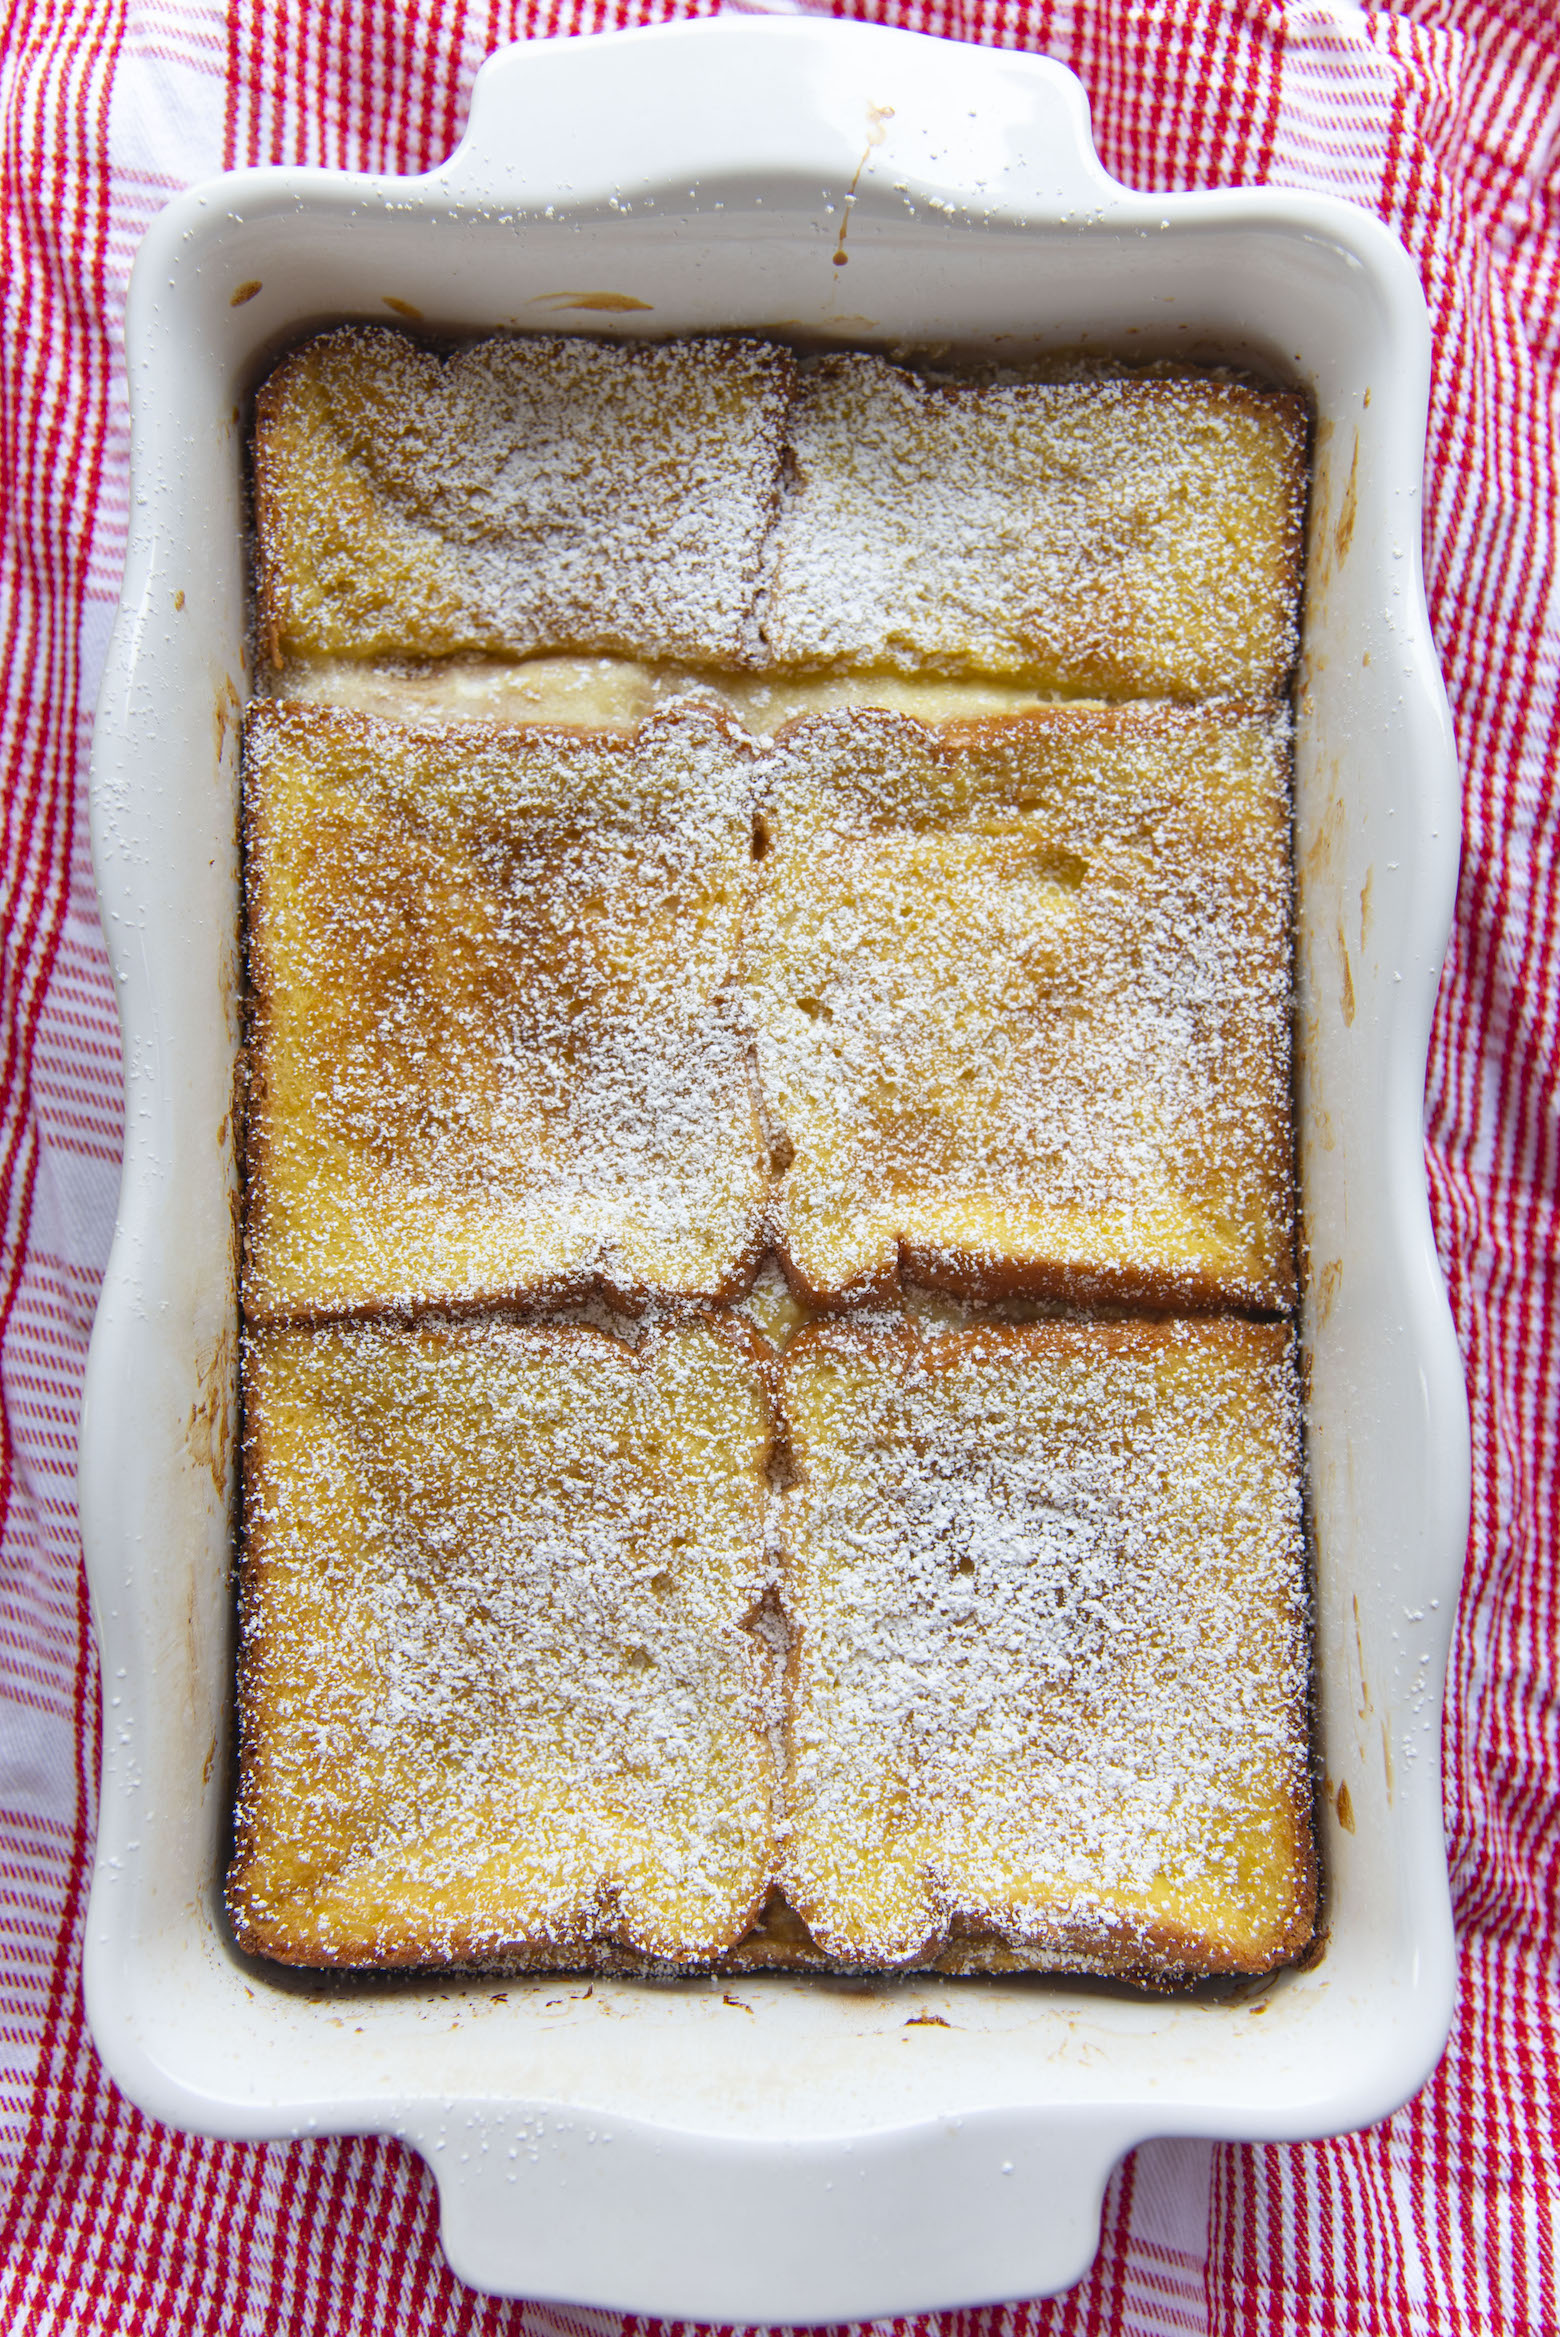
[(1048, 1590), (498, 1698), (524, 493), (1022, 1000), (1134, 537), (497, 1044), (784, 950), (707, 501)]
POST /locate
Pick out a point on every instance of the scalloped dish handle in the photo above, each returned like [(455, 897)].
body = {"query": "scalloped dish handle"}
[(896, 108), (841, 2235)]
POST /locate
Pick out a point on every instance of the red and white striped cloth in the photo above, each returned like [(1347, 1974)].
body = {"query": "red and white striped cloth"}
[(1444, 117)]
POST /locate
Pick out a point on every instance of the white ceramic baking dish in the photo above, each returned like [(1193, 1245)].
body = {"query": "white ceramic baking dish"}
[(776, 2150)]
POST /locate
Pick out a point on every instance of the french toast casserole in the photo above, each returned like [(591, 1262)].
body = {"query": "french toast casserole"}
[(771, 1405)]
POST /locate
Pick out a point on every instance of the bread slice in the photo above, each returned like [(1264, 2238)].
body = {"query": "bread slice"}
[(1118, 535), (495, 1045), (525, 493), (497, 1702), (1048, 1693), (1022, 992)]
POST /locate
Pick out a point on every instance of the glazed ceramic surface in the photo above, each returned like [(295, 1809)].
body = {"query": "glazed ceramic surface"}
[(776, 2150)]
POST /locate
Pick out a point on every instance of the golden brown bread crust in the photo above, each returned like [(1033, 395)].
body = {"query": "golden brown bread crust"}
[(1022, 996), (1109, 534), (497, 1701), (1048, 1673), (1180, 998), (1134, 535), (531, 492), (383, 535), (1229, 1884), (1160, 1956), (494, 1044)]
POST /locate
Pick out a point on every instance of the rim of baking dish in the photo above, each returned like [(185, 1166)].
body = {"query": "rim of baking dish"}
[(756, 116)]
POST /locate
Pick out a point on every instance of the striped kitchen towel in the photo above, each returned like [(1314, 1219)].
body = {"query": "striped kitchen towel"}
[(1443, 117)]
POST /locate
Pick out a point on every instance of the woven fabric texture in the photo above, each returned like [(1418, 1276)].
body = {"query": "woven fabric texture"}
[(1444, 118)]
